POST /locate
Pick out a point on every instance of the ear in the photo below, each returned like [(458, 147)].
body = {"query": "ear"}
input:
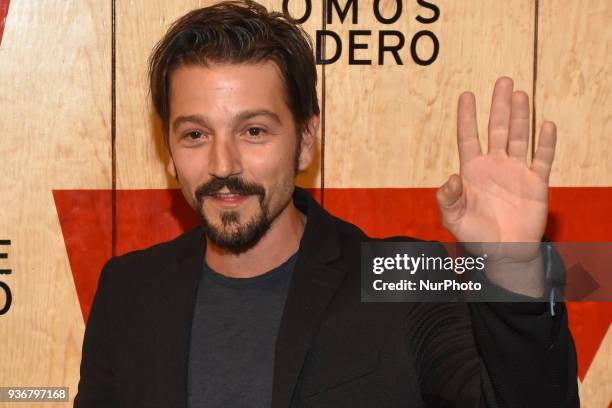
[(309, 136)]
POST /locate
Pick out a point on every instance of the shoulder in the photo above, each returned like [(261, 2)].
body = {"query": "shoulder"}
[(351, 238), (145, 264), (350, 232)]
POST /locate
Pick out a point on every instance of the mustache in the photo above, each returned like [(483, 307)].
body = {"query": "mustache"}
[(235, 185)]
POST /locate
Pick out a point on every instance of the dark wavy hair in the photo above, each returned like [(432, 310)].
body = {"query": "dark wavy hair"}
[(237, 32)]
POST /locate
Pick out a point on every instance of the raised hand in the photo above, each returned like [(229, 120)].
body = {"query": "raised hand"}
[(499, 196)]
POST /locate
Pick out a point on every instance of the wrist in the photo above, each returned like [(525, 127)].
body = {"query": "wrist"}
[(522, 277)]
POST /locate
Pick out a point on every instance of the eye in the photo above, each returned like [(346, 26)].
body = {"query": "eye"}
[(194, 138), (255, 132), (193, 135)]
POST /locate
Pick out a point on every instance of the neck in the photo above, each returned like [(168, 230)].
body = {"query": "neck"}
[(280, 242)]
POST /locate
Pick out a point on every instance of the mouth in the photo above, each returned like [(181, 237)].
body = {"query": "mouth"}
[(228, 199)]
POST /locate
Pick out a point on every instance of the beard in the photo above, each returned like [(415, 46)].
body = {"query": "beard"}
[(232, 235)]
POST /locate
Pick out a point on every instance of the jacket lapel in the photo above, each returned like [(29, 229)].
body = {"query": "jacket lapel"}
[(178, 288), (313, 285)]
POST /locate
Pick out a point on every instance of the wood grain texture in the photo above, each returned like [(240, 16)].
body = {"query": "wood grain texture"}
[(574, 88), (395, 125), (596, 389), (141, 154), (55, 113), (386, 126)]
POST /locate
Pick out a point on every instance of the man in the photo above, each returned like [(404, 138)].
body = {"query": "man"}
[(260, 306)]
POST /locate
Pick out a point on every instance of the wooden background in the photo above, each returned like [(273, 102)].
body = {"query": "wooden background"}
[(83, 164)]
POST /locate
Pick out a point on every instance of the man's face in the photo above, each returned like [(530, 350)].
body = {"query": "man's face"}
[(233, 143)]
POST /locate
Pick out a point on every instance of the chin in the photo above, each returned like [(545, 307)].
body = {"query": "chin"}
[(230, 230)]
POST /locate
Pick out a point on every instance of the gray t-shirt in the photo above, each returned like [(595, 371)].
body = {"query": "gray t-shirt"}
[(233, 336)]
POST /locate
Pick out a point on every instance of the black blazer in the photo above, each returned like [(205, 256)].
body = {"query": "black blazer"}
[(332, 350)]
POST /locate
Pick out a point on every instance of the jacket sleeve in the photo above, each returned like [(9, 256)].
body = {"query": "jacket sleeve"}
[(502, 355), (98, 384), (528, 356)]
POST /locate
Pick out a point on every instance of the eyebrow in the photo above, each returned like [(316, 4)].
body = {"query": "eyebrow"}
[(241, 117), (197, 119)]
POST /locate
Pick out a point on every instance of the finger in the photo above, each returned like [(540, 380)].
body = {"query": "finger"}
[(545, 153), (467, 128), (518, 138), (499, 118), (449, 199)]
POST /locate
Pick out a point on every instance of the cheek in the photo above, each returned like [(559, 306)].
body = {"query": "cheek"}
[(190, 163), (190, 171), (277, 157), (269, 169), (279, 178)]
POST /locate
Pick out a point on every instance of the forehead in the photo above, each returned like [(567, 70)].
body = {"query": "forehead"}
[(227, 87)]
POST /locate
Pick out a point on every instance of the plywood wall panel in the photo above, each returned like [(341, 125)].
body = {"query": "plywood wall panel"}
[(141, 155), (55, 130), (385, 126), (139, 146), (394, 125), (311, 177), (574, 88), (596, 389)]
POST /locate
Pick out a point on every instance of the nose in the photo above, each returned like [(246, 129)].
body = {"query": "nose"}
[(224, 158)]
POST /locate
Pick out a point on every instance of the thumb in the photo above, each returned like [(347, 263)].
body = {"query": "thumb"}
[(449, 198)]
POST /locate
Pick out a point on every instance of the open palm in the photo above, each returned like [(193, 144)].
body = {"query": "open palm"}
[(498, 196)]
